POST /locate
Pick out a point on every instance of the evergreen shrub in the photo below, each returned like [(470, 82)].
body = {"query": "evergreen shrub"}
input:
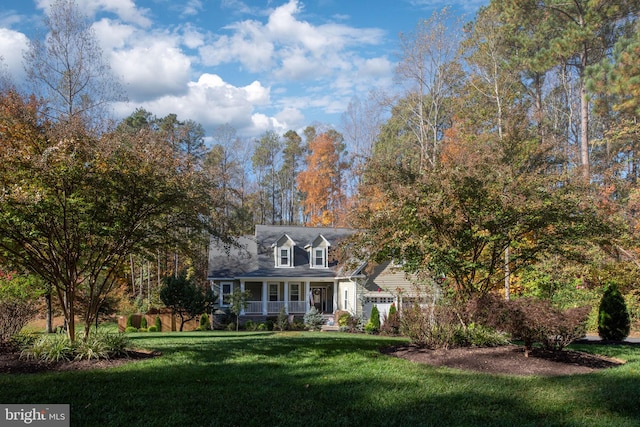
[(614, 323)]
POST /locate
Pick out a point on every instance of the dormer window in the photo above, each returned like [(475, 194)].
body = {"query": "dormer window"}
[(283, 251), (285, 255), (318, 250), (319, 258)]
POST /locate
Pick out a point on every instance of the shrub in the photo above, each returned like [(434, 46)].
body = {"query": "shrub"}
[(313, 320), (262, 327), (130, 321), (158, 324), (18, 294), (373, 325), (143, 322), (297, 325), (250, 325), (231, 326), (343, 319), (205, 324), (282, 321), (391, 322), (613, 318), (130, 329), (142, 330), (532, 321), (152, 328)]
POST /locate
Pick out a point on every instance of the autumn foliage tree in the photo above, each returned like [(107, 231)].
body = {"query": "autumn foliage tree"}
[(321, 183), (75, 205), (487, 194)]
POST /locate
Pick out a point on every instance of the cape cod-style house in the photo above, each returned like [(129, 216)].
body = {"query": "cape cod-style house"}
[(292, 268)]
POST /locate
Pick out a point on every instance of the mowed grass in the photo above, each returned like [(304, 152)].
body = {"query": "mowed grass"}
[(322, 379)]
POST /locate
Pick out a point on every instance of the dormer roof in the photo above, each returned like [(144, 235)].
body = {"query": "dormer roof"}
[(283, 240), (319, 242)]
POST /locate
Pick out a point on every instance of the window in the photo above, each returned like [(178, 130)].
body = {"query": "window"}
[(284, 257), (318, 258), (274, 291), (226, 288), (283, 250), (346, 299), (318, 249), (294, 292)]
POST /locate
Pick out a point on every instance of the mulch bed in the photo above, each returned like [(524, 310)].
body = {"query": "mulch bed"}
[(493, 360), (11, 363), (507, 360)]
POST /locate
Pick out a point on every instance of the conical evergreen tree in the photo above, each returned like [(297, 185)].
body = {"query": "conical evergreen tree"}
[(614, 323)]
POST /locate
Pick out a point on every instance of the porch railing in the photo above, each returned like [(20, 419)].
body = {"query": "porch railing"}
[(274, 307)]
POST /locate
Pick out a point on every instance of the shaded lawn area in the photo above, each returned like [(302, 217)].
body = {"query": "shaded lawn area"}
[(322, 379)]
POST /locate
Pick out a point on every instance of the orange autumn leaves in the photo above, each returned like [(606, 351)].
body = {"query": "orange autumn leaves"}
[(321, 182)]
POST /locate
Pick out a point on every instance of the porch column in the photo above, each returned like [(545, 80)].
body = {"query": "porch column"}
[(242, 290), (307, 298), (286, 297), (265, 297), (335, 296)]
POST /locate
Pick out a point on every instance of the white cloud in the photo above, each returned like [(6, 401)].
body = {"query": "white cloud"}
[(151, 68), (192, 8), (12, 46), (247, 46), (288, 47), (126, 10), (211, 102)]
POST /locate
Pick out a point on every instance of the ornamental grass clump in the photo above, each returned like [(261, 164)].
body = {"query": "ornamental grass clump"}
[(59, 348)]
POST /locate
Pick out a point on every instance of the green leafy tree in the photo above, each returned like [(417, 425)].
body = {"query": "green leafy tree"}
[(579, 33), (18, 296), (185, 298), (613, 318)]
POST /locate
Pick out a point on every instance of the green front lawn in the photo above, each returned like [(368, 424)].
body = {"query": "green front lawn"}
[(322, 379)]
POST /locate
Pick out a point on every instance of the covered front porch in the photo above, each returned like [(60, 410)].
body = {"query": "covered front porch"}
[(269, 297)]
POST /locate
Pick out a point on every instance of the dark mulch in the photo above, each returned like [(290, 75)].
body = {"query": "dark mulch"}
[(507, 360), (12, 363)]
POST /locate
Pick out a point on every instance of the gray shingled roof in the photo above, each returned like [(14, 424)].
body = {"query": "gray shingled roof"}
[(253, 257)]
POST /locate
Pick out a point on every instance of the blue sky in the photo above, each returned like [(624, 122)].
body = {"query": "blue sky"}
[(257, 65)]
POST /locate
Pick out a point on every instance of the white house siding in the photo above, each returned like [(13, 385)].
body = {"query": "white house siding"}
[(347, 296)]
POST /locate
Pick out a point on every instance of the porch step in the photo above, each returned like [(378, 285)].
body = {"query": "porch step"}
[(330, 328)]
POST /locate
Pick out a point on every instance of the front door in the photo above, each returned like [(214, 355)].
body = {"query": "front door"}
[(320, 299)]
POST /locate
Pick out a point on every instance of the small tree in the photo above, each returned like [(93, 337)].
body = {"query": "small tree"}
[(613, 317), (239, 302), (158, 324), (282, 322), (184, 298)]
